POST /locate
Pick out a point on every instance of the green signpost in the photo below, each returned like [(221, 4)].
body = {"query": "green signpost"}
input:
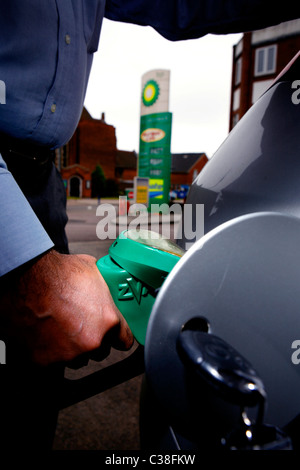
[(155, 155), (155, 137)]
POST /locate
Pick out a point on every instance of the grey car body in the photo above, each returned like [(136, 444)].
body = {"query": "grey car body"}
[(238, 282)]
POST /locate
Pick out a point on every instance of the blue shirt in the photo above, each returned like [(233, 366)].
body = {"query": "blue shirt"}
[(46, 52), (45, 59)]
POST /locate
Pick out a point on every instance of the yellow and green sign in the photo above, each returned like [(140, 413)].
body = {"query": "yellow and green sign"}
[(141, 186)]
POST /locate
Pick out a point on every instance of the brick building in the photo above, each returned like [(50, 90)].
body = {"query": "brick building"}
[(257, 59), (94, 143)]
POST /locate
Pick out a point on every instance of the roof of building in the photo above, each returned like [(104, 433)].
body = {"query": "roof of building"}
[(126, 159), (183, 162), (85, 115)]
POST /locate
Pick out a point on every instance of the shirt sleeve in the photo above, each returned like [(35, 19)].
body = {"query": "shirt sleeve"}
[(190, 19), (22, 237)]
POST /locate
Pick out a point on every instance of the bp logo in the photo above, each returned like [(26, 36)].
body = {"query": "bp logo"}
[(150, 93)]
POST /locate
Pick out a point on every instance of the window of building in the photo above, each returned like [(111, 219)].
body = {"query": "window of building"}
[(235, 119), (265, 60), (236, 99), (259, 87), (238, 71)]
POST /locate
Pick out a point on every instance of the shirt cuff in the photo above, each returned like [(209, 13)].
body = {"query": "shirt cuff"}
[(22, 237)]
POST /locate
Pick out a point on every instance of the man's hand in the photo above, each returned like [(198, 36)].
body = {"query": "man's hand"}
[(60, 307)]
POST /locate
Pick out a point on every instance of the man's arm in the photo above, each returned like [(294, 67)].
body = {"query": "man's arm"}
[(22, 237), (189, 19)]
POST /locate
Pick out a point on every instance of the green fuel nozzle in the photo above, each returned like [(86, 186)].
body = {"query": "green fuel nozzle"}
[(135, 268)]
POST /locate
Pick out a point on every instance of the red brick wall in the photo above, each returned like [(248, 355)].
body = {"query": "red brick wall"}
[(83, 174), (179, 178), (94, 143), (129, 174)]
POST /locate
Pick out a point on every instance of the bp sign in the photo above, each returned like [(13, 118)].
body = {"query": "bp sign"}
[(155, 135)]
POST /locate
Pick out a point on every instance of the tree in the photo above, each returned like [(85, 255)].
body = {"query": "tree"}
[(98, 182)]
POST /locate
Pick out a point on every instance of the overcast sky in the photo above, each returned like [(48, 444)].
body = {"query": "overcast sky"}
[(200, 83)]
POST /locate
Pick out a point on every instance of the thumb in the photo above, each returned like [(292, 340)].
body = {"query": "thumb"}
[(120, 335)]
